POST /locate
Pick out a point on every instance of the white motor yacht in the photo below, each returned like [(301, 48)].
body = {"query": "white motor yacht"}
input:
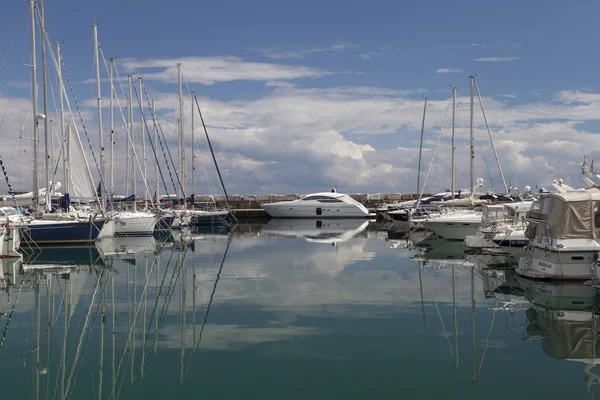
[(564, 234), (455, 225), (319, 205)]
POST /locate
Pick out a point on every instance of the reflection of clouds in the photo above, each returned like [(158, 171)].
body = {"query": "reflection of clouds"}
[(232, 337)]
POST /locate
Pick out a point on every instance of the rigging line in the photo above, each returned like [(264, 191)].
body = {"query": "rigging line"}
[(487, 342), (160, 140), (439, 313), (169, 295), (491, 139), (12, 311), (435, 150), (212, 295), (12, 35), (211, 151), (57, 65), (142, 296), (81, 337)]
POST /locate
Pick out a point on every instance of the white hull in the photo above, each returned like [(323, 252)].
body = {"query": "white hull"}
[(9, 243), (541, 263), (452, 230), (310, 211), (135, 224)]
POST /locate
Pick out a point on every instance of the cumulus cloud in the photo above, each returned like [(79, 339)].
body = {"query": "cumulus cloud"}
[(210, 70)]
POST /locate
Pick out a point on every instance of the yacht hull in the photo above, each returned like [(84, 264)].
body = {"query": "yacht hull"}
[(453, 230), (135, 225), (542, 263), (309, 211), (61, 232)]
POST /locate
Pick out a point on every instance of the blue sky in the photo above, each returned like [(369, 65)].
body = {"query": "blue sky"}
[(301, 95)]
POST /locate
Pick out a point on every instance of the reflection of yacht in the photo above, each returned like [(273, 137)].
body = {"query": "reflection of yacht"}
[(126, 246), (564, 316), (319, 205), (316, 231), (437, 248)]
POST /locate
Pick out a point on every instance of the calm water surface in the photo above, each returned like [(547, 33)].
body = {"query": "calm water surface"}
[(288, 311)]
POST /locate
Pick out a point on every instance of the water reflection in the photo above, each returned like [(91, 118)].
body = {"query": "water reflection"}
[(253, 313)]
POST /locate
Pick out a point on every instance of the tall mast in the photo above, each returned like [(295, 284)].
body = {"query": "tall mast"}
[(155, 138), (112, 127), (492, 139), (62, 120), (181, 171), (130, 132), (45, 100), (453, 145), (193, 146), (36, 188), (472, 152), (99, 103), (146, 194), (421, 151)]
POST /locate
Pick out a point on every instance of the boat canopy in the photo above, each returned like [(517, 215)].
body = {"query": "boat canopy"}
[(568, 215)]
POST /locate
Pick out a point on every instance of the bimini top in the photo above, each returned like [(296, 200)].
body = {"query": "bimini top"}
[(568, 215)]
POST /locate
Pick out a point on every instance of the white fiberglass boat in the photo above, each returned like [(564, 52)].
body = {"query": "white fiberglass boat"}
[(564, 233), (319, 205), (135, 223), (456, 225)]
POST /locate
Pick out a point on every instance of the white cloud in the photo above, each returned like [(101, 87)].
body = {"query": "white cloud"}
[(508, 96), (298, 54), (495, 59), (448, 71), (211, 70)]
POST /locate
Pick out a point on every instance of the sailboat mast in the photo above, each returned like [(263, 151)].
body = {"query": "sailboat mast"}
[(155, 138), (453, 145), (421, 151), (472, 151), (112, 126), (99, 104), (181, 171), (193, 146), (146, 194), (63, 134), (45, 102), (34, 101), (130, 105)]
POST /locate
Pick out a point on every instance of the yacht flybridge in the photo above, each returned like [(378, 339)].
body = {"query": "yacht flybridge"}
[(319, 205)]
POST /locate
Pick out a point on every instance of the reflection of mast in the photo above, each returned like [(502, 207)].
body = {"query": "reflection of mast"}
[(36, 340), (101, 361), (48, 323), (439, 313), (473, 321), (157, 295), (212, 295), (183, 303), (144, 324), (422, 302), (133, 326), (455, 316), (114, 331), (64, 343)]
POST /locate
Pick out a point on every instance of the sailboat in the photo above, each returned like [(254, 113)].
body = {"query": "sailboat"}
[(43, 231)]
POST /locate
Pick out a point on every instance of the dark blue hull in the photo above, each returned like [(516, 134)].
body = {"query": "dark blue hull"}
[(52, 233)]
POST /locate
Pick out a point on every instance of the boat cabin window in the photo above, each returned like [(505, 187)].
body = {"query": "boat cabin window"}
[(322, 199)]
